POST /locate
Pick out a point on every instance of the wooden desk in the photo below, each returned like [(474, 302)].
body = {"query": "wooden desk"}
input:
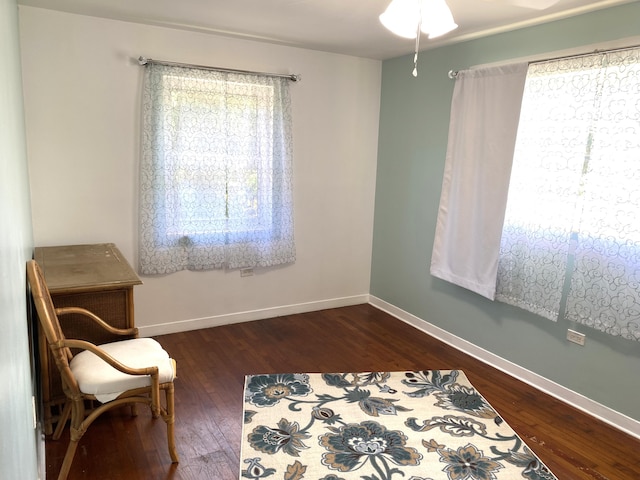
[(96, 277)]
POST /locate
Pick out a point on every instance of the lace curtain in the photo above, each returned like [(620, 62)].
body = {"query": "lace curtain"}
[(571, 225), (215, 172)]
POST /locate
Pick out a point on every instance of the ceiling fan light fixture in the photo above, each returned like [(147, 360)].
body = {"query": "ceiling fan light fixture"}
[(402, 18), (437, 20), (405, 17), (408, 18)]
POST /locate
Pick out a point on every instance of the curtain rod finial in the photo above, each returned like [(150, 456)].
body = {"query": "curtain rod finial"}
[(143, 60)]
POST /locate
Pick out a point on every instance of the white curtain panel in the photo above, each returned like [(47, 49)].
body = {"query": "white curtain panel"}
[(482, 133), (544, 191), (605, 281), (571, 226), (216, 171)]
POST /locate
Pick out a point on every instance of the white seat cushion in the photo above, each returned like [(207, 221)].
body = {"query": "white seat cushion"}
[(97, 377)]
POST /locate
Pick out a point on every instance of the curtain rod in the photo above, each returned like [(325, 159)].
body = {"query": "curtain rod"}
[(145, 61), (454, 73)]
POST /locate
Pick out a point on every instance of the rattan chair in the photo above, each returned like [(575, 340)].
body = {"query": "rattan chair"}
[(114, 374)]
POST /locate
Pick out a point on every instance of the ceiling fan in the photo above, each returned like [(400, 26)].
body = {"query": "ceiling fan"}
[(408, 18), (534, 4)]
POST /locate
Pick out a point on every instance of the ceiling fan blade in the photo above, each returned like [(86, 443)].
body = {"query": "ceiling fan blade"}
[(533, 4)]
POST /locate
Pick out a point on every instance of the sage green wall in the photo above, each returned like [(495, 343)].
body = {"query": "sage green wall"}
[(414, 120), (20, 442)]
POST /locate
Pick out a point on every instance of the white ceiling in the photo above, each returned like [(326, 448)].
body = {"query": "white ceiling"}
[(341, 26)]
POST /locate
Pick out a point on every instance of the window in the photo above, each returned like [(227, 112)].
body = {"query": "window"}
[(566, 197), (215, 176), (571, 237)]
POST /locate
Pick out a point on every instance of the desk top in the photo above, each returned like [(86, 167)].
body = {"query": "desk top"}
[(72, 268)]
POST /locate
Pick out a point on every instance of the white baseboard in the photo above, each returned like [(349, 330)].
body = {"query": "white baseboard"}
[(579, 401), (216, 321)]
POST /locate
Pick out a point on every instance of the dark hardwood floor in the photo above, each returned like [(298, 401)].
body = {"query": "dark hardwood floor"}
[(212, 364)]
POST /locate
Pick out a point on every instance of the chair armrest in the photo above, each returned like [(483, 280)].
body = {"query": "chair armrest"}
[(81, 344), (98, 321)]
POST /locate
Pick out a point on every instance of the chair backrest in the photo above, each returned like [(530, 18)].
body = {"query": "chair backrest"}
[(51, 326)]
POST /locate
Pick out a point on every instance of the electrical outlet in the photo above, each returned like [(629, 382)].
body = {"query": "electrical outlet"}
[(246, 272), (575, 337)]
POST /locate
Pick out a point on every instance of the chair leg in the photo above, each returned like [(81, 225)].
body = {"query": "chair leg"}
[(169, 418), (64, 417), (76, 431), (68, 459)]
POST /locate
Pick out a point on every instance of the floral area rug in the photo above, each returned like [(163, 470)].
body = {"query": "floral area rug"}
[(426, 425)]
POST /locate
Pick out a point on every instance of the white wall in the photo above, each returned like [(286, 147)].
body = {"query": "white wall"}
[(82, 96), (20, 443)]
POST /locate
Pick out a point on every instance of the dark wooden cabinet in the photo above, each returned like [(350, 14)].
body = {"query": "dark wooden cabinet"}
[(96, 277)]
